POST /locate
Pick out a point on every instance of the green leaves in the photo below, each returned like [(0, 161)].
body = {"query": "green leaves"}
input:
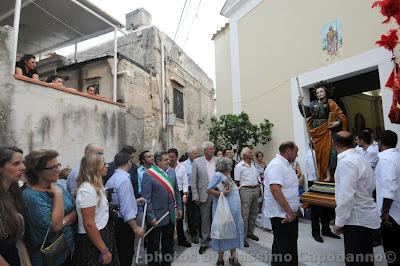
[(237, 130)]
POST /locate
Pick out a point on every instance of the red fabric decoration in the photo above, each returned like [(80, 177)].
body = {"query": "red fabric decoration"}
[(394, 113), (389, 8), (389, 41), (390, 82)]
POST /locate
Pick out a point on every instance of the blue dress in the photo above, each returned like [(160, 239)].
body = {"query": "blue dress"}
[(37, 211), (233, 199)]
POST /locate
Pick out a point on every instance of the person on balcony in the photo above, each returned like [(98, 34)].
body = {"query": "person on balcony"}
[(55, 80), (27, 67)]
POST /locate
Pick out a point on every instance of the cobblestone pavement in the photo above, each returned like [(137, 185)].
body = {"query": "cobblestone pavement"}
[(330, 253)]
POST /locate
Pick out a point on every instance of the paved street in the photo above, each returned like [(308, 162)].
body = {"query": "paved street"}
[(330, 253)]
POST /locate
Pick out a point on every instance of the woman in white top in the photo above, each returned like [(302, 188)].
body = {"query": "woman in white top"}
[(96, 241)]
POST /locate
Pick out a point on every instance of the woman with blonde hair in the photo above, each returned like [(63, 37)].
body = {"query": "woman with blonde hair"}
[(96, 241), (12, 249)]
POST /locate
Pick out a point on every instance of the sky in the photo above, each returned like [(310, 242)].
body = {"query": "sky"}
[(200, 20)]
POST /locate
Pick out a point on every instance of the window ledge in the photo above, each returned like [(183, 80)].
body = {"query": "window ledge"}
[(67, 90)]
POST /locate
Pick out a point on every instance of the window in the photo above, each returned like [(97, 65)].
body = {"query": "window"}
[(178, 103)]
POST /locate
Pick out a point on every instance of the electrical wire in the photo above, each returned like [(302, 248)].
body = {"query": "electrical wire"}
[(180, 19), (191, 24), (262, 94)]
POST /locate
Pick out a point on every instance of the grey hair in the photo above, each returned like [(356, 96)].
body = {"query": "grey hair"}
[(207, 144), (223, 164), (158, 156), (244, 151), (193, 148)]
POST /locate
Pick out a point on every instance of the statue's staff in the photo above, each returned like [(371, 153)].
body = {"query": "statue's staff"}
[(308, 130)]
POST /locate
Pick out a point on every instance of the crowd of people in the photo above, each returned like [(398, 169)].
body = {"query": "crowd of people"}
[(98, 212)]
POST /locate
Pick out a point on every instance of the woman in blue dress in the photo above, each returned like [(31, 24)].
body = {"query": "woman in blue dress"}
[(222, 182), (47, 206)]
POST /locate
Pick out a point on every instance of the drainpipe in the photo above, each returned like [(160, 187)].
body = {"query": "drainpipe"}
[(163, 89), (114, 93)]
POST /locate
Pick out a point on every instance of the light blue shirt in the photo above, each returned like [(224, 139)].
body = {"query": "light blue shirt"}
[(188, 167), (124, 195), (71, 180), (140, 172)]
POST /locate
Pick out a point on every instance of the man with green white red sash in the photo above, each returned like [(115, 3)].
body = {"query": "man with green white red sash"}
[(160, 190)]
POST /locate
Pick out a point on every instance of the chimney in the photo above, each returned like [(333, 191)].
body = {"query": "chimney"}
[(137, 19)]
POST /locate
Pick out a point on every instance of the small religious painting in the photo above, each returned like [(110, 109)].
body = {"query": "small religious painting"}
[(332, 40)]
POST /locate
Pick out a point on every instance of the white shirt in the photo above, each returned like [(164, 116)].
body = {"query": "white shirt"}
[(371, 154), (182, 177), (188, 167), (279, 171), (310, 168), (210, 165), (354, 184), (86, 197), (246, 174), (387, 177)]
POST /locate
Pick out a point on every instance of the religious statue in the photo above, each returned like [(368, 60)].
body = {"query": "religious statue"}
[(324, 117)]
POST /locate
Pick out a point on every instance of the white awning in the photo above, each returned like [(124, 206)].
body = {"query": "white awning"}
[(49, 24)]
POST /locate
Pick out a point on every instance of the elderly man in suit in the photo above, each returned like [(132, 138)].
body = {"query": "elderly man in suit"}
[(203, 169), (160, 190)]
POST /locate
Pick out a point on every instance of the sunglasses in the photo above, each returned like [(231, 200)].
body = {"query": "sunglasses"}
[(53, 167)]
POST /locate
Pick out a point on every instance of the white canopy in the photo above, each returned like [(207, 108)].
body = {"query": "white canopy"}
[(49, 24)]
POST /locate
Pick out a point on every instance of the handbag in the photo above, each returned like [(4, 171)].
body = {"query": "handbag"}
[(55, 250)]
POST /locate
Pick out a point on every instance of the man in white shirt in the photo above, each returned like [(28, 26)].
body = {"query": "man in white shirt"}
[(387, 177), (246, 175), (356, 211), (193, 210), (282, 198), (318, 213), (368, 149), (182, 179)]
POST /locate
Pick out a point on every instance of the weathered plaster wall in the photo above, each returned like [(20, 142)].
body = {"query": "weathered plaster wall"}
[(143, 95), (35, 117)]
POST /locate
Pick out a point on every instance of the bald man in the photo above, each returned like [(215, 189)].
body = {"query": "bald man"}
[(71, 180)]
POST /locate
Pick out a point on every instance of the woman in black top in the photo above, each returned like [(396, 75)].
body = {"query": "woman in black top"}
[(27, 67)]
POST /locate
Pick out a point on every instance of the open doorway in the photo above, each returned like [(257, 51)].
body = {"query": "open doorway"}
[(359, 96)]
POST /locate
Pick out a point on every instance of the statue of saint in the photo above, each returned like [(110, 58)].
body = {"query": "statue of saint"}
[(324, 117)]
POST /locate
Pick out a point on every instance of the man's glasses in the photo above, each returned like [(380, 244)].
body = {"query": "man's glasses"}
[(53, 167)]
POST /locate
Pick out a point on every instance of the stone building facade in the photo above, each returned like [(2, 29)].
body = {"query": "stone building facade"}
[(38, 115)]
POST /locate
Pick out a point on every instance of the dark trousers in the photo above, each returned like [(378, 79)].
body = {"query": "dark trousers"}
[(179, 224), (193, 215), (125, 242), (390, 241), (323, 214), (166, 235), (284, 246), (358, 245)]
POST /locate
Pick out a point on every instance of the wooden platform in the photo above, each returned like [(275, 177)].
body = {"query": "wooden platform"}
[(319, 199)]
